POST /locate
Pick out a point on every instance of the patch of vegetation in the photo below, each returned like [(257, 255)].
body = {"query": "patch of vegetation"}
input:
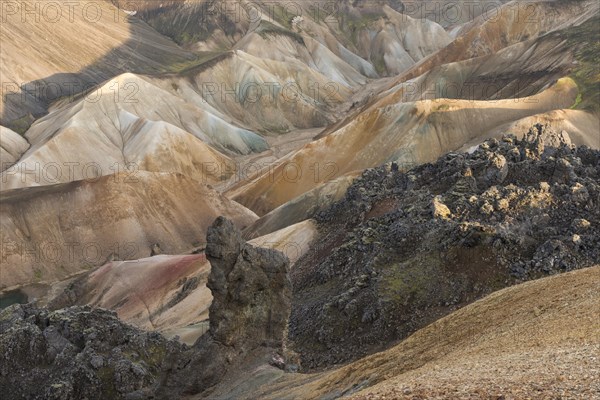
[(380, 66), (183, 31), (22, 124), (266, 29), (275, 130), (281, 16), (106, 376), (155, 354), (410, 281), (585, 40), (37, 274), (578, 101), (87, 266), (201, 58), (185, 37), (208, 60), (354, 24)]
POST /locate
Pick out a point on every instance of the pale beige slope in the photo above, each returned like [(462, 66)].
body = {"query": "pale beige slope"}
[(146, 97), (371, 40), (64, 44), (77, 153), (293, 241), (509, 51), (12, 147), (519, 70), (143, 292), (301, 208), (198, 24), (122, 121), (409, 133), (269, 95), (50, 232), (324, 39), (396, 42), (357, 38), (374, 40), (145, 128), (495, 58), (540, 339), (389, 40), (311, 52), (451, 13)]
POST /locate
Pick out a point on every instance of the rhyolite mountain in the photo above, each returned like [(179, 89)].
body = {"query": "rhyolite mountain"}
[(397, 166)]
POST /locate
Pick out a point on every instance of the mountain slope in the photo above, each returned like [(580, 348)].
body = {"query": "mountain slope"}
[(166, 293), (12, 147), (266, 95), (59, 37), (409, 133), (371, 39), (300, 208), (449, 100), (514, 22), (51, 232), (151, 130)]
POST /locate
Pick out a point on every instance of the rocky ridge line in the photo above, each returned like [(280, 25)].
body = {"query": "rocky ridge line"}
[(403, 249)]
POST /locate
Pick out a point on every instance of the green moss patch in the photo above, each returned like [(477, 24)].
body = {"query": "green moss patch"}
[(585, 40), (266, 29)]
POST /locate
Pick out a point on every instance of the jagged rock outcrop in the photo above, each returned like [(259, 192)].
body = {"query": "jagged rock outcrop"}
[(80, 352), (405, 248), (251, 290), (249, 313)]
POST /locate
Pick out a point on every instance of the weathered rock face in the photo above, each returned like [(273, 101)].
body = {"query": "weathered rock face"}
[(251, 290), (403, 249), (249, 313), (80, 352)]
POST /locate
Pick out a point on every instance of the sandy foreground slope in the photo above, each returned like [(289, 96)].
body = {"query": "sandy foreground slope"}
[(538, 340)]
